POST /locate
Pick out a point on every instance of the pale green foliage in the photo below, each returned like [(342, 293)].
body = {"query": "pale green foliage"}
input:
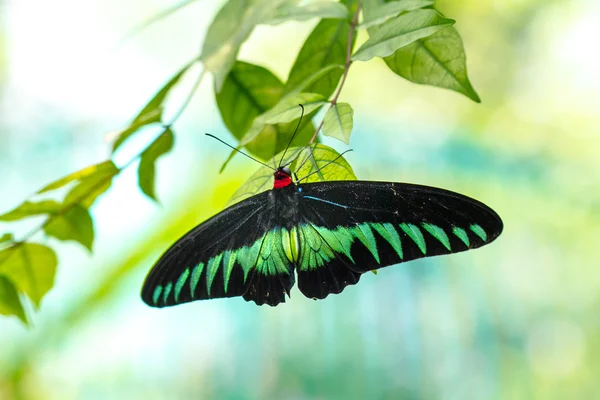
[(301, 11), (338, 122), (10, 304), (30, 208), (285, 110), (91, 186), (401, 31), (314, 69), (437, 60), (236, 20), (249, 91), (30, 267), (377, 12), (152, 111), (105, 167), (321, 162), (75, 224), (147, 168)]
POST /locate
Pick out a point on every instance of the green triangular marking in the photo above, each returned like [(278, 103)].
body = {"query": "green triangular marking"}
[(325, 252), (295, 244), (195, 278), (248, 257), (339, 240), (478, 230), (156, 294), (371, 243), (212, 267), (462, 235), (167, 292), (437, 233), (180, 282), (313, 239), (267, 247), (286, 242), (228, 263), (415, 234), (389, 233)]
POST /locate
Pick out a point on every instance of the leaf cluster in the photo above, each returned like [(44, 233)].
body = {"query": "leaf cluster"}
[(260, 109)]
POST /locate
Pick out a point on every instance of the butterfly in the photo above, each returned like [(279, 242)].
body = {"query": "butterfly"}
[(325, 234)]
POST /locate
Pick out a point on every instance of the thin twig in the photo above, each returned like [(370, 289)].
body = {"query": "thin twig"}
[(334, 100), (63, 211)]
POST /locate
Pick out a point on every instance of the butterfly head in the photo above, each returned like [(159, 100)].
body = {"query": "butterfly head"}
[(283, 177)]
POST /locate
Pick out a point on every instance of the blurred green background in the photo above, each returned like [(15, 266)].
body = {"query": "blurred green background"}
[(518, 319)]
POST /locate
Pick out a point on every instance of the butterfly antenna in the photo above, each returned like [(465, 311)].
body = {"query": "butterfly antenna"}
[(320, 168), (310, 148), (239, 151), (292, 138)]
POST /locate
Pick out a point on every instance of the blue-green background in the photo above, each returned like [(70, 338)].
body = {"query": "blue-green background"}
[(519, 319)]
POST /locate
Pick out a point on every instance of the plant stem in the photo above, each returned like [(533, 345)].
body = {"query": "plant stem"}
[(334, 100), (63, 211)]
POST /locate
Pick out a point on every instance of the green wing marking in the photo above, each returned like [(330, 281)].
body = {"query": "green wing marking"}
[(212, 267), (308, 248), (156, 294), (167, 291), (180, 283), (462, 235), (478, 230), (437, 233), (389, 233), (416, 235), (196, 273)]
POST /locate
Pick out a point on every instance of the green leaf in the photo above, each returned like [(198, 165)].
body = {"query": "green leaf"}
[(76, 224), (304, 161), (401, 31), (10, 303), (324, 50), (309, 82), (338, 122), (147, 119), (376, 12), (91, 186), (236, 20), (101, 168), (296, 11), (322, 163), (30, 209), (152, 111), (285, 111), (437, 60), (146, 170), (7, 237), (230, 28), (31, 267), (249, 91)]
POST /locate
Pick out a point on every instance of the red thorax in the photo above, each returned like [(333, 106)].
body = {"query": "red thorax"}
[(282, 179)]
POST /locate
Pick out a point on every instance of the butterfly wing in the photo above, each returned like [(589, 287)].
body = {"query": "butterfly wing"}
[(360, 226), (238, 252)]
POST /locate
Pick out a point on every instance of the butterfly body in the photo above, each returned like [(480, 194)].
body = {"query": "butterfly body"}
[(327, 233)]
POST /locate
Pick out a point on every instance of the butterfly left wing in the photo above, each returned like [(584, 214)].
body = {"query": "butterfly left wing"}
[(354, 227), (238, 252)]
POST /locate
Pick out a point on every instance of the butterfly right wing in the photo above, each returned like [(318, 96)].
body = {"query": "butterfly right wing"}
[(235, 253), (359, 226)]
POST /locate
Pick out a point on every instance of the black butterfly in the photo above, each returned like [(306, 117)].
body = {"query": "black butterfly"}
[(328, 233)]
